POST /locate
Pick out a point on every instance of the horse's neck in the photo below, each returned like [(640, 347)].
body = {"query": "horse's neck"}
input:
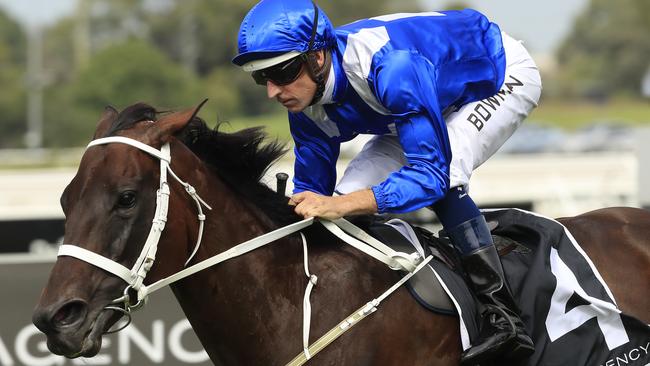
[(232, 220), (247, 311), (215, 299)]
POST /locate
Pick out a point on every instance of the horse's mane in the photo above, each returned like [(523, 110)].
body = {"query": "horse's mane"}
[(240, 158)]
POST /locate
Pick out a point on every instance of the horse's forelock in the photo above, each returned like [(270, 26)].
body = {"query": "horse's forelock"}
[(131, 115), (105, 121)]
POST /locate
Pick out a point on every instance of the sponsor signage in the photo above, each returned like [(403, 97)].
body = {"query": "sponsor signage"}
[(159, 335)]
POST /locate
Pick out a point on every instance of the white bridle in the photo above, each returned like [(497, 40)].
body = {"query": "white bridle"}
[(135, 276)]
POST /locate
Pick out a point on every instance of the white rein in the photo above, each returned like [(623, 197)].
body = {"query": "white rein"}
[(135, 276)]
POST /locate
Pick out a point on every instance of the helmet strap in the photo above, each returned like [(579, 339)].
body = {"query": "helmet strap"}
[(318, 74)]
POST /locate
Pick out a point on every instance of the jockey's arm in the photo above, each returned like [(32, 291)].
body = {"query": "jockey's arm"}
[(315, 175), (316, 156), (404, 83)]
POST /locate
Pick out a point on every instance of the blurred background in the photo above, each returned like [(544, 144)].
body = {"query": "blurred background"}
[(586, 146)]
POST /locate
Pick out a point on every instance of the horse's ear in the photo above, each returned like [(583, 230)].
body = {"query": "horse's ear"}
[(105, 121), (171, 123)]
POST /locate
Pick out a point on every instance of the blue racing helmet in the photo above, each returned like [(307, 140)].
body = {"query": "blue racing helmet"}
[(274, 31)]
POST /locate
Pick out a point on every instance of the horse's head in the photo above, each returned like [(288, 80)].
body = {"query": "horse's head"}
[(109, 206)]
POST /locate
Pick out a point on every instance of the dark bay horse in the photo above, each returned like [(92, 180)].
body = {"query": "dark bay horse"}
[(248, 310)]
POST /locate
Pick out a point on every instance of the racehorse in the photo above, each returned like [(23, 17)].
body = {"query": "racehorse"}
[(247, 311)]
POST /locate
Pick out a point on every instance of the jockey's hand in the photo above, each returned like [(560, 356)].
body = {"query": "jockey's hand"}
[(310, 204)]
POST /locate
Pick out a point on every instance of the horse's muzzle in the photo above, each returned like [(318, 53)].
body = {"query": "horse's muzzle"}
[(59, 317), (63, 325)]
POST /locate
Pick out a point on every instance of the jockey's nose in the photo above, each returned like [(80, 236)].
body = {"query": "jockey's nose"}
[(272, 90), (56, 318)]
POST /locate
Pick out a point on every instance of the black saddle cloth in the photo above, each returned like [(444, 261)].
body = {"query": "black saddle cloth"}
[(566, 307)]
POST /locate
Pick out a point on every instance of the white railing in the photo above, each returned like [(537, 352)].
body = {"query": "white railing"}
[(555, 184)]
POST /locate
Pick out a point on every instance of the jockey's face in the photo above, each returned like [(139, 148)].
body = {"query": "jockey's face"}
[(296, 95)]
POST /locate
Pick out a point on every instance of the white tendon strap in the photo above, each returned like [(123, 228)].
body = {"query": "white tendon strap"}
[(306, 313)]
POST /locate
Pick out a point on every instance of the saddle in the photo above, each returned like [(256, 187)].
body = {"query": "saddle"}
[(426, 286)]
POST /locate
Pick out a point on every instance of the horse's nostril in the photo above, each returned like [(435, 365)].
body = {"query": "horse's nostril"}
[(69, 314)]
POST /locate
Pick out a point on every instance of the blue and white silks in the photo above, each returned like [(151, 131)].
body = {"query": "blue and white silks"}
[(398, 74)]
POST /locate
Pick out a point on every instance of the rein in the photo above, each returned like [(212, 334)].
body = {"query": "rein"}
[(135, 276)]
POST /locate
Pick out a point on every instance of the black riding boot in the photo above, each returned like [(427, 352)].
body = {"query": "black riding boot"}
[(502, 332)]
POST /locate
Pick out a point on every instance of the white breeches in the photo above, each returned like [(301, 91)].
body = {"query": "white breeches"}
[(476, 131)]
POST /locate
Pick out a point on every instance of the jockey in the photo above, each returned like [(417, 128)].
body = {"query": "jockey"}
[(441, 92)]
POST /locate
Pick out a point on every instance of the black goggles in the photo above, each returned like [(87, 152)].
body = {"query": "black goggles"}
[(281, 74)]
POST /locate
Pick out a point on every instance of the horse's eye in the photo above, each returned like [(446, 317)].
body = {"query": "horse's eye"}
[(127, 199)]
